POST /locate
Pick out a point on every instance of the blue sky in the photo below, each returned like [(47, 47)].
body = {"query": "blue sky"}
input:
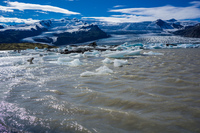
[(28, 11)]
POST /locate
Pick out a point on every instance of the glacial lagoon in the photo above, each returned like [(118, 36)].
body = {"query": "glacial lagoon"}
[(157, 90)]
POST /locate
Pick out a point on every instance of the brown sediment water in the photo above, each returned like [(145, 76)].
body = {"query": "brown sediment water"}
[(154, 93)]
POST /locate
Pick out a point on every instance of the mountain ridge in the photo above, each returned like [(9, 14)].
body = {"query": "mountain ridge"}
[(67, 31), (191, 31), (156, 26), (50, 31)]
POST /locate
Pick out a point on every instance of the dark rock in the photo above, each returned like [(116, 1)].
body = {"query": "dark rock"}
[(84, 49), (94, 44), (1, 27), (163, 24), (172, 20), (30, 60), (93, 33), (171, 45), (192, 31)]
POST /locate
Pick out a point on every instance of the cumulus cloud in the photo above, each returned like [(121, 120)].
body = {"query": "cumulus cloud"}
[(17, 20), (153, 13), (11, 6)]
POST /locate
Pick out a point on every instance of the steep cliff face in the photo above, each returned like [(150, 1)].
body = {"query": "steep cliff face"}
[(192, 31)]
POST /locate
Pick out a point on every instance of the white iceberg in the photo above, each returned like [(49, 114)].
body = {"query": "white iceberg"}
[(135, 52), (152, 53), (75, 62), (107, 61), (116, 54), (63, 60), (78, 56), (104, 70), (92, 54), (50, 58), (120, 63)]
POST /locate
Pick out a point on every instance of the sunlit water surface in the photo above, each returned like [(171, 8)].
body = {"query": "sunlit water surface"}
[(152, 94)]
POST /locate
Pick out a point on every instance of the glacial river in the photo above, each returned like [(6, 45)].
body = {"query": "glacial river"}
[(152, 94)]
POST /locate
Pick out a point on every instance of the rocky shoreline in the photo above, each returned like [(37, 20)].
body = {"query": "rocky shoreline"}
[(24, 46)]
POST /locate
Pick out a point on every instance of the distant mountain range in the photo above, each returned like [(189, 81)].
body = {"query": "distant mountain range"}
[(56, 32), (157, 26), (71, 31)]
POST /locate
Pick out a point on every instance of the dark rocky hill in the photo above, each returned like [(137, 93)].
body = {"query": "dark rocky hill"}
[(1, 27), (192, 31)]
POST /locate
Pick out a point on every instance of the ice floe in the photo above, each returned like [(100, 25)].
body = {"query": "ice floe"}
[(120, 63), (73, 63), (103, 70), (107, 61), (152, 53), (63, 60)]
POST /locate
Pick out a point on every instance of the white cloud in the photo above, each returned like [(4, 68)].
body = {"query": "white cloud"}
[(117, 6), (42, 12), (17, 20), (27, 6), (150, 14), (165, 12), (195, 3), (122, 18)]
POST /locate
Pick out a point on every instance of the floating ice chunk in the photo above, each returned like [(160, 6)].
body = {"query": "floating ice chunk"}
[(120, 63), (186, 46), (88, 54), (121, 48), (107, 61), (104, 70), (135, 52), (132, 45), (116, 54), (75, 62), (121, 54), (152, 53), (52, 53), (19, 62), (157, 46), (87, 74), (50, 58), (14, 54), (62, 60), (78, 56), (92, 54)]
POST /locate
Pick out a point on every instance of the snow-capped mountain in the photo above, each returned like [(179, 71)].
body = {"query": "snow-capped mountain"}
[(157, 26), (70, 31), (55, 32)]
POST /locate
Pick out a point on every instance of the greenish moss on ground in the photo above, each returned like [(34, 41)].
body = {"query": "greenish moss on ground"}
[(23, 46)]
